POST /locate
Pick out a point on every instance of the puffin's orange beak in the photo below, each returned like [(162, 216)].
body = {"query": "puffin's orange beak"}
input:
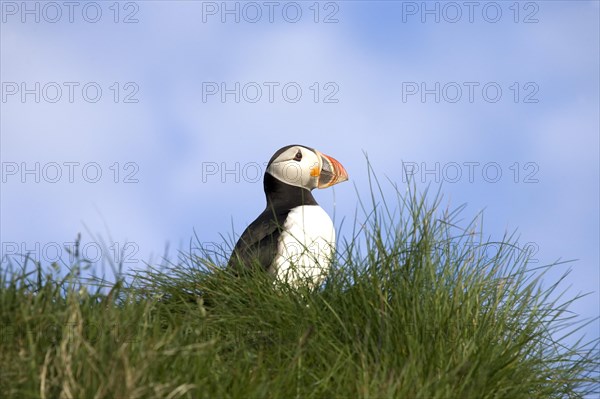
[(332, 172)]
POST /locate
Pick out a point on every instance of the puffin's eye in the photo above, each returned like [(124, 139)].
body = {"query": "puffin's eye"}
[(298, 156)]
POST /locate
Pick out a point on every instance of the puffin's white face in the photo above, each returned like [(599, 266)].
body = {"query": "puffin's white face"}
[(304, 167)]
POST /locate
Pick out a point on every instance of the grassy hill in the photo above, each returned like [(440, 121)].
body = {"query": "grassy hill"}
[(414, 308)]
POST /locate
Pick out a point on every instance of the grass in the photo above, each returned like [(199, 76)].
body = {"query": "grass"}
[(413, 309)]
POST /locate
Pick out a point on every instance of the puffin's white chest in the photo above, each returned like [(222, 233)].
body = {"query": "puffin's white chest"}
[(305, 247)]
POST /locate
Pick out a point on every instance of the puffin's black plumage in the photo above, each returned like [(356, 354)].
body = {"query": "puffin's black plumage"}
[(258, 245)]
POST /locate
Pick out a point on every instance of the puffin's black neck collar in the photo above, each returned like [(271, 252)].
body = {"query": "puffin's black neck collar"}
[(282, 195)]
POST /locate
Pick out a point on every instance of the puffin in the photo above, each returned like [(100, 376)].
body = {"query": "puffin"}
[(293, 239)]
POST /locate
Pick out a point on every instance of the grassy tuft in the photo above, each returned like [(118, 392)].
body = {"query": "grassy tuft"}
[(414, 308)]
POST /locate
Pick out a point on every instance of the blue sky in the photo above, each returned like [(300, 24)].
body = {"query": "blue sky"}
[(517, 93)]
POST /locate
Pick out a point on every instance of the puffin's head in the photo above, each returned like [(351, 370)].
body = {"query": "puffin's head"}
[(306, 167)]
